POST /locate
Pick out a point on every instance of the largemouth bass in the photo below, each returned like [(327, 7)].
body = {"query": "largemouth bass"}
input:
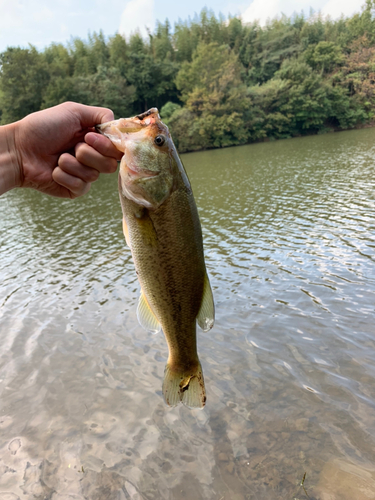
[(162, 229)]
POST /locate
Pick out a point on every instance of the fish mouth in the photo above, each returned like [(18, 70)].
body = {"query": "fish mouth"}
[(123, 125), (152, 111), (121, 130), (129, 125)]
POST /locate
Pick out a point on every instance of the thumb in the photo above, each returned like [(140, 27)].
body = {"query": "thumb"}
[(92, 115)]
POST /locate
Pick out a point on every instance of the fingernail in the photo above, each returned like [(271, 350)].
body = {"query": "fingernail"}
[(91, 138)]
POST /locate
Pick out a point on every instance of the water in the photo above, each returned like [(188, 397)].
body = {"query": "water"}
[(289, 367)]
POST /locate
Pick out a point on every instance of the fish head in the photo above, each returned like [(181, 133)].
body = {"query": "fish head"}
[(147, 167)]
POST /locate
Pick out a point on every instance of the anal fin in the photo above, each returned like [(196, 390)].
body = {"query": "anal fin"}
[(206, 315)]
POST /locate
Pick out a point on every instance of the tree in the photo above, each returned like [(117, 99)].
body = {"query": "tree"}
[(23, 78), (356, 79), (161, 42), (218, 82), (363, 24), (215, 96), (105, 88), (152, 79), (267, 48), (294, 102), (118, 54), (324, 56)]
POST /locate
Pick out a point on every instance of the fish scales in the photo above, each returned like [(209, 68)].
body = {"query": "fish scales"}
[(175, 250), (162, 228)]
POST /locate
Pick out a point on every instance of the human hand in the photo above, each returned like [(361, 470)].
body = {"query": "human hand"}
[(57, 151)]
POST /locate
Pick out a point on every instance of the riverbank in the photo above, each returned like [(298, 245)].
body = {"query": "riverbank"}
[(273, 139)]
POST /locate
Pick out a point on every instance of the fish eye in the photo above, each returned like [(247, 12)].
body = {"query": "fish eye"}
[(159, 140)]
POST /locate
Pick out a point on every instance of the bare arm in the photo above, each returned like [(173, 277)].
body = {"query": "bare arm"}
[(8, 162)]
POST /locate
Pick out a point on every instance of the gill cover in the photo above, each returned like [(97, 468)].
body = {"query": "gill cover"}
[(146, 169)]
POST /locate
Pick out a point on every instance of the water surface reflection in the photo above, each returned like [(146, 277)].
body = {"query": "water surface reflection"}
[(289, 366)]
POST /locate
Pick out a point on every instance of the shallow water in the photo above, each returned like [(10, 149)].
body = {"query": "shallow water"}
[(289, 367)]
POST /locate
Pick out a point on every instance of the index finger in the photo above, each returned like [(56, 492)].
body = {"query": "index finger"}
[(103, 145)]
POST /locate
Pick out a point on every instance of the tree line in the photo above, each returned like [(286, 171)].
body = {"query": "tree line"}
[(216, 81)]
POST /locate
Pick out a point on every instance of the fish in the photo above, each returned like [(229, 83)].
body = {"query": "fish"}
[(162, 228)]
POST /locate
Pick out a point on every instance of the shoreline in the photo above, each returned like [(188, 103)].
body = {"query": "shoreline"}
[(273, 139)]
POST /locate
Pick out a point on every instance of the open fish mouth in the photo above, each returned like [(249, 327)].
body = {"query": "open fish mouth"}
[(146, 114), (130, 125), (124, 125)]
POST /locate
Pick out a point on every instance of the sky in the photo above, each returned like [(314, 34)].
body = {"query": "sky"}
[(41, 22)]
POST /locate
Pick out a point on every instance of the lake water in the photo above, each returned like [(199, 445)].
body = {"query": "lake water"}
[(289, 233)]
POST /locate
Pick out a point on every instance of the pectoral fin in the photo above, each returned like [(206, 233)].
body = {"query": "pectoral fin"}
[(125, 230), (206, 315), (146, 317)]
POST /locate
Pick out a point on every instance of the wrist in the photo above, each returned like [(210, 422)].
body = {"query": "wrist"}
[(10, 171)]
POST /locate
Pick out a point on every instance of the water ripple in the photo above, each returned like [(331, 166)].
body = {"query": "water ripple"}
[(289, 237)]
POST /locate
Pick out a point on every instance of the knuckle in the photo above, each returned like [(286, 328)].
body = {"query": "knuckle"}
[(112, 166), (108, 114), (76, 184), (81, 152), (56, 174), (64, 160), (92, 175)]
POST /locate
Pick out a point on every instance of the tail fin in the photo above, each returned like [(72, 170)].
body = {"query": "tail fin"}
[(186, 387)]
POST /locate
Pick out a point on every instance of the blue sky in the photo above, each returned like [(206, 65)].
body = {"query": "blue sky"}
[(41, 22)]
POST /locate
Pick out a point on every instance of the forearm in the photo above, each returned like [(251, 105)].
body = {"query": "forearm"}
[(9, 169)]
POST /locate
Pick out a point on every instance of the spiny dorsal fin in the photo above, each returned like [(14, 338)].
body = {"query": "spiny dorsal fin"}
[(206, 315), (146, 317)]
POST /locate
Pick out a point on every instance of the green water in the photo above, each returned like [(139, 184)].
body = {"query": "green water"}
[(289, 366)]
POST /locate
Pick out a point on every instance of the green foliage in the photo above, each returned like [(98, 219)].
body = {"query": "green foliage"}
[(24, 75), (185, 131), (105, 88), (312, 32), (356, 79), (363, 24), (215, 96), (161, 43), (218, 82), (278, 42), (324, 56), (152, 79), (168, 109), (118, 54), (294, 102)]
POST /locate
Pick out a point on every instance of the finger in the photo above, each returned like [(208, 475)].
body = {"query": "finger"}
[(72, 166), (90, 157), (91, 115), (103, 145), (77, 187)]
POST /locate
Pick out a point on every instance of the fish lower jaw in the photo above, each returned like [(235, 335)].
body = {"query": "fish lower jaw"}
[(133, 173)]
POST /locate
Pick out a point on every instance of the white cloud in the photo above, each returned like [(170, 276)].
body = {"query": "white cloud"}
[(261, 10), (11, 14), (138, 14), (43, 15), (335, 8)]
